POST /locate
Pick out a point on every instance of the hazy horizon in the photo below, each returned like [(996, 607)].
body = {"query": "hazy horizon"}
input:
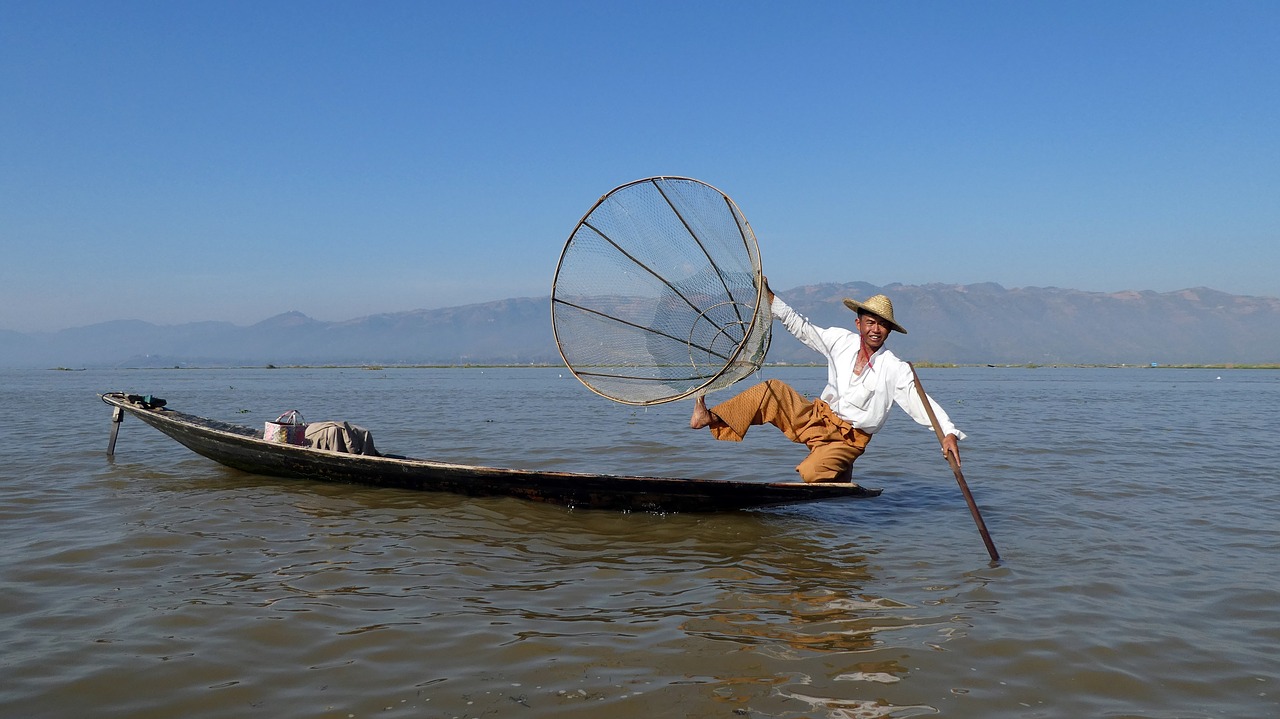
[(265, 317)]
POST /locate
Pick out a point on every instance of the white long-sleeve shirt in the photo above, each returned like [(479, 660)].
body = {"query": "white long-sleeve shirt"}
[(861, 400)]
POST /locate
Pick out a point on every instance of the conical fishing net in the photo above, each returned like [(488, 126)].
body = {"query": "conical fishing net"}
[(658, 293)]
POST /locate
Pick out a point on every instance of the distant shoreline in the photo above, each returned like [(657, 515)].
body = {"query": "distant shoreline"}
[(929, 365)]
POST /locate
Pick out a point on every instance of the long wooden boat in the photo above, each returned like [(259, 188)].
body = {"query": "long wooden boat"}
[(244, 448)]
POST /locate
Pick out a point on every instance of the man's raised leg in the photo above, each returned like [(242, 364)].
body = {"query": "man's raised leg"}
[(770, 402)]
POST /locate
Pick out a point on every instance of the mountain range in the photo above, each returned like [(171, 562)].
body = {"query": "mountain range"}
[(962, 324)]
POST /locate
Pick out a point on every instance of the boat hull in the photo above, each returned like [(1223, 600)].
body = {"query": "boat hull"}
[(244, 449)]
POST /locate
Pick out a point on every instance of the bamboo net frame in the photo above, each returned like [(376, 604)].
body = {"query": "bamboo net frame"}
[(658, 295)]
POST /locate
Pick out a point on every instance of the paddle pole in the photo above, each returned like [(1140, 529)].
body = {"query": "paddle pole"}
[(954, 461)]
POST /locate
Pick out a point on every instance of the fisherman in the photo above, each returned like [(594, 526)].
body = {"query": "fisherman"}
[(863, 380)]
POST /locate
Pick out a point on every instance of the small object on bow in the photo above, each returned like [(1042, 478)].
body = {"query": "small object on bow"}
[(288, 428), (147, 401)]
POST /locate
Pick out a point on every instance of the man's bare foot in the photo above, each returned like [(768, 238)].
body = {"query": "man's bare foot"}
[(701, 415)]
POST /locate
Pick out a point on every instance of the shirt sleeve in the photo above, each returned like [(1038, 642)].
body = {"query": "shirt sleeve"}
[(799, 326)]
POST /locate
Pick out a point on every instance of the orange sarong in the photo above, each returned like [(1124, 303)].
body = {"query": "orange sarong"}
[(833, 444)]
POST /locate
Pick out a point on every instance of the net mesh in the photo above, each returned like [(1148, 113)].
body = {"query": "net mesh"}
[(657, 294)]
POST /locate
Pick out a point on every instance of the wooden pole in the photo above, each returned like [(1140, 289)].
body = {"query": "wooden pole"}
[(955, 469), (117, 416)]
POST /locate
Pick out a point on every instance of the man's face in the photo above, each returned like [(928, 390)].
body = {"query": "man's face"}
[(874, 331)]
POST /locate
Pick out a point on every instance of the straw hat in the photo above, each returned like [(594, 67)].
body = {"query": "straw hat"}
[(878, 305)]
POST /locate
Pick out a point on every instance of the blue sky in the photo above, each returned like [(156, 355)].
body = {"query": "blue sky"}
[(188, 161)]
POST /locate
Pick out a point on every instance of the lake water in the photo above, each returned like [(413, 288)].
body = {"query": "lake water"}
[(1136, 511)]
